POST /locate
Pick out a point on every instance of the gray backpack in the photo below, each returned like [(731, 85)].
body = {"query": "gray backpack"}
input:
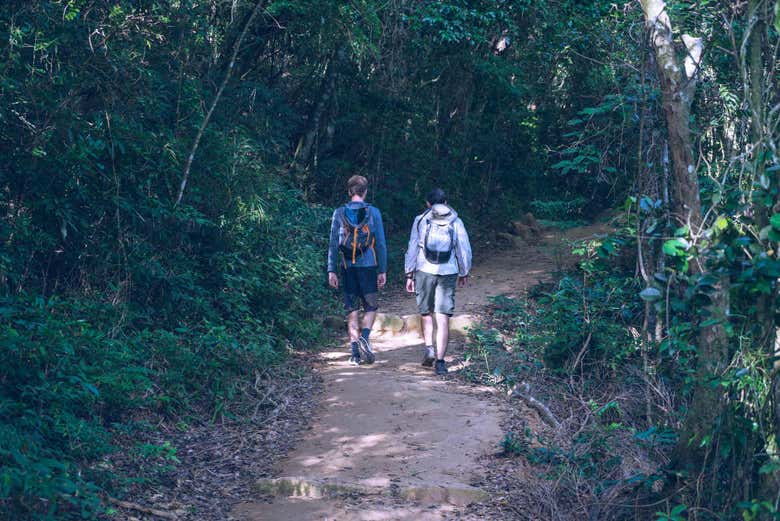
[(438, 240)]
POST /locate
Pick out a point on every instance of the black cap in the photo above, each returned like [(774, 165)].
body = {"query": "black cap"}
[(436, 196)]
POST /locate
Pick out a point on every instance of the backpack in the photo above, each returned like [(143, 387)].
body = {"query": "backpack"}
[(357, 237), (438, 241)]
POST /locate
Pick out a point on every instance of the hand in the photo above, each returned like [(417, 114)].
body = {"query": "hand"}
[(462, 281), (410, 285), (333, 280), (381, 280)]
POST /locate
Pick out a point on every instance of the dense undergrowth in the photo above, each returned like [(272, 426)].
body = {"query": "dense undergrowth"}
[(80, 374), (585, 346)]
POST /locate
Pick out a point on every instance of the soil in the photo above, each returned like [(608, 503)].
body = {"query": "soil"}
[(392, 441), (501, 270)]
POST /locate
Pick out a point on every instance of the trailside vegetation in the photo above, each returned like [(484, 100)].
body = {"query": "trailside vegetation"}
[(168, 168), (656, 358)]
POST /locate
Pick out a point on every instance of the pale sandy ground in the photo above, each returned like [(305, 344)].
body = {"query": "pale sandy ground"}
[(391, 440)]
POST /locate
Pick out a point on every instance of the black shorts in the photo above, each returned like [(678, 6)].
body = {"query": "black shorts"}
[(360, 288)]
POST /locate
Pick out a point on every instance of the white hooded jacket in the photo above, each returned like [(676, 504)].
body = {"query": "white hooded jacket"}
[(459, 262)]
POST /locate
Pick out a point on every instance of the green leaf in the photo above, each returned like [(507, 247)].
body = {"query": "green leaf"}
[(764, 233), (676, 247), (777, 16), (721, 223), (775, 221), (650, 294)]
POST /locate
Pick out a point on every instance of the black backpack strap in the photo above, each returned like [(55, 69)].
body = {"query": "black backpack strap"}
[(422, 218)]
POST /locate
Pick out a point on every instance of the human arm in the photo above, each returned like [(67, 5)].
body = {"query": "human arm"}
[(381, 243), (333, 249), (410, 259), (462, 250)]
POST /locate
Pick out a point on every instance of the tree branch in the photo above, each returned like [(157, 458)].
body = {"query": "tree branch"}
[(228, 73)]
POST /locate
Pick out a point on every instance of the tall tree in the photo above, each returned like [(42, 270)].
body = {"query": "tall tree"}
[(678, 83)]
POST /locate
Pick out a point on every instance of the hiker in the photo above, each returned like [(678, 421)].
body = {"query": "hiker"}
[(438, 256), (358, 250)]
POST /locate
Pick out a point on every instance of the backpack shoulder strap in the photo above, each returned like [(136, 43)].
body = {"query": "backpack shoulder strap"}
[(369, 219), (422, 218)]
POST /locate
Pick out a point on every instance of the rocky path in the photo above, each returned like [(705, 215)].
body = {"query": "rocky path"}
[(391, 440)]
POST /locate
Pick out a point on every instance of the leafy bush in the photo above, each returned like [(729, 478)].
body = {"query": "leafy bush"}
[(562, 210), (69, 388)]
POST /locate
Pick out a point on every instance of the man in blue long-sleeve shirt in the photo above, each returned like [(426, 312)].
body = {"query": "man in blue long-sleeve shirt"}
[(358, 250)]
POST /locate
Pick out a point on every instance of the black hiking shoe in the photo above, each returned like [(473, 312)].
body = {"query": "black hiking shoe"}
[(441, 368), (366, 350), (355, 358), (428, 357)]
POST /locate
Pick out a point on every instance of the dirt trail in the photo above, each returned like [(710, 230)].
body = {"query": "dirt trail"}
[(392, 441)]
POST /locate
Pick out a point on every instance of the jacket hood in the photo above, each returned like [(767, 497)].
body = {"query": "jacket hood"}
[(442, 214)]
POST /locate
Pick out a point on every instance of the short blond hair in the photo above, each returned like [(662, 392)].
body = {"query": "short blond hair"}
[(357, 185)]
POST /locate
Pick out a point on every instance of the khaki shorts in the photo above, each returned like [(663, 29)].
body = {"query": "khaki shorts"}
[(435, 293)]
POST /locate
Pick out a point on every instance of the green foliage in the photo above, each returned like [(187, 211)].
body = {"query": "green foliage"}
[(69, 389), (115, 304), (677, 513), (514, 445), (563, 210)]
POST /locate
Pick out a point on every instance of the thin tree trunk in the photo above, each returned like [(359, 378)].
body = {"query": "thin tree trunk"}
[(215, 101), (306, 143)]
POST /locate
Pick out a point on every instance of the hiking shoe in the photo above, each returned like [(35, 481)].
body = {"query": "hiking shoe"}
[(355, 358), (428, 357), (366, 350), (441, 368)]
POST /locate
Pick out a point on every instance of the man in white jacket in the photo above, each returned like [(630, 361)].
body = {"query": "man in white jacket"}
[(438, 257)]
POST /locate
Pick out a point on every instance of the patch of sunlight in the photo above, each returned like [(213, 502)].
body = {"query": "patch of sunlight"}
[(377, 482), (311, 461), (332, 355), (370, 440)]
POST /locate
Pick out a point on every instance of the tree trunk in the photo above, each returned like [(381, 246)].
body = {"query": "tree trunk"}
[(305, 146), (678, 83)]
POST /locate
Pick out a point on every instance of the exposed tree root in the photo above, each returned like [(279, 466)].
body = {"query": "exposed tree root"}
[(165, 514), (523, 391)]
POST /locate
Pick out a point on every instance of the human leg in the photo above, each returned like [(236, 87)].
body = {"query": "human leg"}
[(352, 326), (351, 304), (425, 287), (368, 322), (366, 349), (427, 328), (444, 307), (442, 334), (430, 353)]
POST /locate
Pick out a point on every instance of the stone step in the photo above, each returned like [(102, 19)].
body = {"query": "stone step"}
[(391, 324), (301, 487)]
